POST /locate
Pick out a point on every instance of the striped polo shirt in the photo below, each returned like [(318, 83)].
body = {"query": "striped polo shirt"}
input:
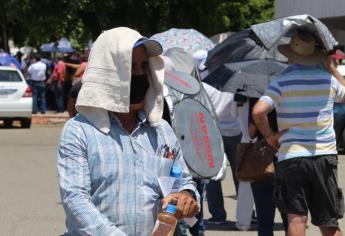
[(303, 97)]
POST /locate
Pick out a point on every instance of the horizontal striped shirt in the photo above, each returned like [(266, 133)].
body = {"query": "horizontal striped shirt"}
[(109, 182), (303, 97)]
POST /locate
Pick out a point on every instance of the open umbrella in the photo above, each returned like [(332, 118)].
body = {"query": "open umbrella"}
[(8, 60), (260, 41), (48, 47), (65, 46), (188, 39), (269, 33), (240, 46), (249, 78)]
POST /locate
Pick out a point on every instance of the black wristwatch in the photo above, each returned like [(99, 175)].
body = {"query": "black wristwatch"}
[(191, 193)]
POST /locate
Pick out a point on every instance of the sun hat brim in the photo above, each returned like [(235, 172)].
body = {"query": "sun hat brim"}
[(312, 59)]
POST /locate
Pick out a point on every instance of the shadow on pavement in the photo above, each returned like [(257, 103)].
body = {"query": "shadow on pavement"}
[(230, 226)]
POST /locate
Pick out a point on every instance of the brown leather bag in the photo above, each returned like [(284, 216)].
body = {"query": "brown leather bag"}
[(255, 161)]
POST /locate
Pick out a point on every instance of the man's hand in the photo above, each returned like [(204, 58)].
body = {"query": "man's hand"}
[(328, 61), (186, 206), (273, 138)]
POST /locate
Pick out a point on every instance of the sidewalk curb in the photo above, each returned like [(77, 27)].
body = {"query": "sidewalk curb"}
[(44, 119)]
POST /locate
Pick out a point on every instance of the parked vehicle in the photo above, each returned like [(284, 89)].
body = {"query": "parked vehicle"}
[(15, 97)]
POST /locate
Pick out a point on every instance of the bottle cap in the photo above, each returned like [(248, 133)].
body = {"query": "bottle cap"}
[(176, 172), (171, 209)]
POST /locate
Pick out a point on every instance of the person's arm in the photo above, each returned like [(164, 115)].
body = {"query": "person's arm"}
[(328, 61), (260, 112), (253, 131), (79, 71), (74, 66), (75, 184)]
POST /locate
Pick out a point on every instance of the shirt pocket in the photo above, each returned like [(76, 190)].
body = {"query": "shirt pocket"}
[(155, 167)]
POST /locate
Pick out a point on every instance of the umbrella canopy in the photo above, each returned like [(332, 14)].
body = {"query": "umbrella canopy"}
[(249, 78), (260, 41), (218, 38), (65, 46), (188, 39), (8, 60), (240, 46), (48, 47), (270, 33)]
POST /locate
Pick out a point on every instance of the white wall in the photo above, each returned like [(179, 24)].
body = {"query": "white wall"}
[(316, 8)]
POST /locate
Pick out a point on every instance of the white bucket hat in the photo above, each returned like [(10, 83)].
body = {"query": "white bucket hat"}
[(106, 81)]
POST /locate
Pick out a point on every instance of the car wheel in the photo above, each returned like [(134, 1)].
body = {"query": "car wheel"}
[(8, 123), (25, 123)]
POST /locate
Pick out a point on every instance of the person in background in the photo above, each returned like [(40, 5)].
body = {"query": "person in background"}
[(306, 173), (72, 99), (58, 80), (79, 68), (225, 109), (263, 190), (111, 154), (37, 73)]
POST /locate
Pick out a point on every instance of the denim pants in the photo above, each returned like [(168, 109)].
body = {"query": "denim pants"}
[(214, 191), (38, 92), (59, 96)]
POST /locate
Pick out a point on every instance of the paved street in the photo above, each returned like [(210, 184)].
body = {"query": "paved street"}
[(29, 199)]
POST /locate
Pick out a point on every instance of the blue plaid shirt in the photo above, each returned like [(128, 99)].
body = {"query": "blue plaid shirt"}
[(108, 182)]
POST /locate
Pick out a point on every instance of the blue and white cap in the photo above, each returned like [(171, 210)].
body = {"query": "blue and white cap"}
[(153, 47)]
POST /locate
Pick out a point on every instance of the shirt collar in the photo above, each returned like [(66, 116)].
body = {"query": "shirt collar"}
[(142, 116), (296, 66)]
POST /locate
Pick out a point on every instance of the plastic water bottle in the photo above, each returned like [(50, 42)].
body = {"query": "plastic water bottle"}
[(166, 222)]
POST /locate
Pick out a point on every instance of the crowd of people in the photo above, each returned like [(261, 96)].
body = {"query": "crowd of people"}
[(109, 155), (52, 78)]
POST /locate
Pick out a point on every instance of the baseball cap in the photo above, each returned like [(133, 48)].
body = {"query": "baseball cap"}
[(153, 47)]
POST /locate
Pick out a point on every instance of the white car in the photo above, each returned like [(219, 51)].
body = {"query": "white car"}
[(15, 97)]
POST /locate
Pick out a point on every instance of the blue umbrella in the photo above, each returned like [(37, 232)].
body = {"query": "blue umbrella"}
[(8, 60), (65, 46), (48, 47)]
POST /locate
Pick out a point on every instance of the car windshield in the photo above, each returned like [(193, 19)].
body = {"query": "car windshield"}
[(9, 76)]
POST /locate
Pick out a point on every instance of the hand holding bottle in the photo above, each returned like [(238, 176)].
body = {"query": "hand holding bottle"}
[(186, 205)]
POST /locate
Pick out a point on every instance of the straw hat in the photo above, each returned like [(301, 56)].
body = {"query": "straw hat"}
[(302, 49)]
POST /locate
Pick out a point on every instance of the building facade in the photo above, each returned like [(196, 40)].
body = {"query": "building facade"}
[(330, 12)]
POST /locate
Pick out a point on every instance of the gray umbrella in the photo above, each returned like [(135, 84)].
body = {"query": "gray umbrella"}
[(260, 41), (239, 46), (249, 78), (270, 33)]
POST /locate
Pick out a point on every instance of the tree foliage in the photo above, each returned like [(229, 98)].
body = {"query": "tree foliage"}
[(34, 22)]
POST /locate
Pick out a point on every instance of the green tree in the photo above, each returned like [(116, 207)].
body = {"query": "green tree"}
[(33, 23)]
